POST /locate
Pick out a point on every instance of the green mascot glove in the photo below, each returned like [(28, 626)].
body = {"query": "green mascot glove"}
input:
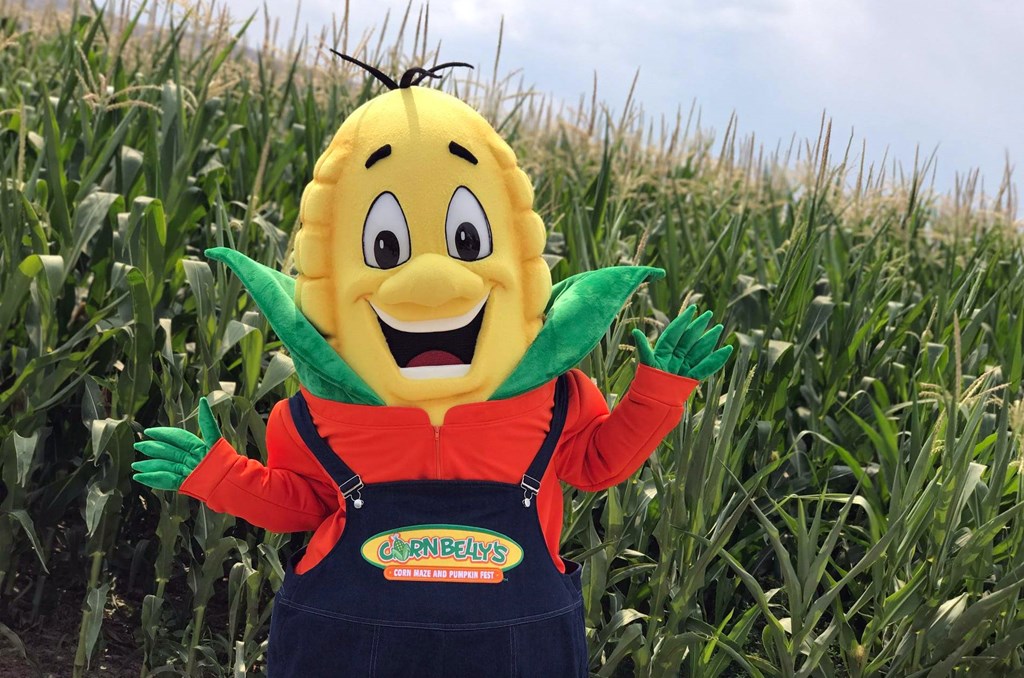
[(684, 348), (175, 452)]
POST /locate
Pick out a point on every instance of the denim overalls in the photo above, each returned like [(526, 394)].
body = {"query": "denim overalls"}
[(432, 578)]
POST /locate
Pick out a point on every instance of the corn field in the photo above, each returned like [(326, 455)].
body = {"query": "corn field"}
[(846, 499)]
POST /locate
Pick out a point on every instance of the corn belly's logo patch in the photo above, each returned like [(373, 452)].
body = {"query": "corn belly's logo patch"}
[(457, 554)]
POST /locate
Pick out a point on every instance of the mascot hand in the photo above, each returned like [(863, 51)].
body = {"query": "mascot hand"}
[(684, 348), (175, 452)]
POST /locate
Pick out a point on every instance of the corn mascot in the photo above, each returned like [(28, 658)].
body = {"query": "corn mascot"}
[(439, 408)]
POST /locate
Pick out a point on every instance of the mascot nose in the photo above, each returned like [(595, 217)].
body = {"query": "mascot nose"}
[(431, 280)]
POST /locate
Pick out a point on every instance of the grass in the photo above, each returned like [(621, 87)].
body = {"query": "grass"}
[(845, 500)]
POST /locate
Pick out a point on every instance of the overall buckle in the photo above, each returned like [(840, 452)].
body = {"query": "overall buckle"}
[(531, 486), (355, 483)]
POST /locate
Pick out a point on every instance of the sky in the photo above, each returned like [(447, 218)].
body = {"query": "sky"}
[(935, 75)]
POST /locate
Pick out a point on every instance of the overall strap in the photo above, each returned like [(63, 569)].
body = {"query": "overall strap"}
[(348, 481), (531, 479)]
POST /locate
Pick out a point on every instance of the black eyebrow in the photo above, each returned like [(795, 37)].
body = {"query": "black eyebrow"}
[(462, 152), (381, 153)]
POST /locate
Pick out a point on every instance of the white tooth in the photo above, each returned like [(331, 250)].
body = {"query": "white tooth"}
[(434, 371), (433, 325)]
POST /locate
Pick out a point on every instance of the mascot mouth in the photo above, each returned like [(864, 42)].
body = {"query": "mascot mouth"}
[(432, 349)]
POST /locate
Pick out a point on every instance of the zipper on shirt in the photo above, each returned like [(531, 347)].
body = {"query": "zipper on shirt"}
[(437, 450)]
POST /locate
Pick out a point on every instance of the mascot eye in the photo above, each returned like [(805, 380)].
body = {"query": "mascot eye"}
[(466, 228), (385, 233)]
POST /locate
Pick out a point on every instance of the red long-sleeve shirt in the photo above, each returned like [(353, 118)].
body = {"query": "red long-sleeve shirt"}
[(492, 440)]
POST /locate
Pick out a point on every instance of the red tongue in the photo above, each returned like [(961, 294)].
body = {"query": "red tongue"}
[(434, 357)]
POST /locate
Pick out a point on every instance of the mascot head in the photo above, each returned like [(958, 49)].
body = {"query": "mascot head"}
[(420, 276), (419, 257)]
